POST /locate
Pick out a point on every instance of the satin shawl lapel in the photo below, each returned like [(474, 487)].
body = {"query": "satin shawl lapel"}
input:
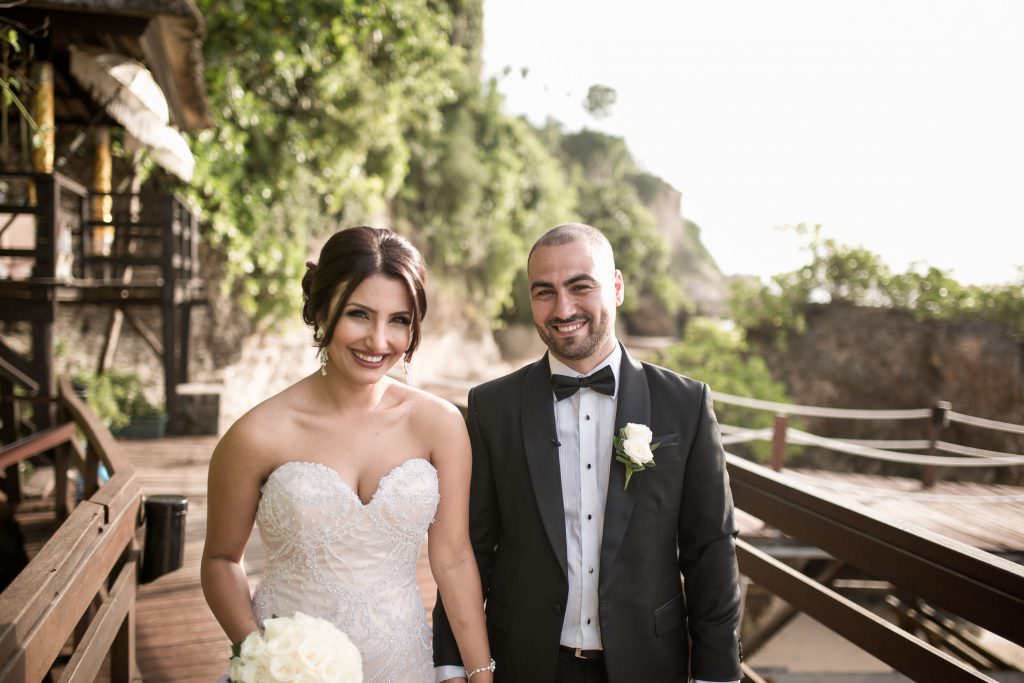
[(540, 438), (633, 405)]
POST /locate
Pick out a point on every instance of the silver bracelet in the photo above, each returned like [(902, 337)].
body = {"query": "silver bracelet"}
[(490, 667)]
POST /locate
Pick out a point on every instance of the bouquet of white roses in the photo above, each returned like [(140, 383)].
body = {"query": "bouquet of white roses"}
[(299, 648)]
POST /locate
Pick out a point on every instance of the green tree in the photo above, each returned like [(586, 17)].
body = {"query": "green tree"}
[(720, 357), (600, 100), (842, 273), (317, 103)]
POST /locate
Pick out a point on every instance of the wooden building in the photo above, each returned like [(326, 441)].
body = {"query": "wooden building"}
[(99, 76)]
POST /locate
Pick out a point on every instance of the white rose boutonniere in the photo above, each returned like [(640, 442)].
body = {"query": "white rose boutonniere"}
[(633, 448)]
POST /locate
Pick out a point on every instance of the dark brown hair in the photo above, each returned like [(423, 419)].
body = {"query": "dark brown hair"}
[(349, 257)]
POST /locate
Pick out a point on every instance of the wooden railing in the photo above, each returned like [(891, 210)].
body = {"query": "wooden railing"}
[(81, 584), (981, 588), (936, 418)]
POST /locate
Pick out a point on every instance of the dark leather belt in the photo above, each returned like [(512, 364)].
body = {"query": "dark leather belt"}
[(579, 653)]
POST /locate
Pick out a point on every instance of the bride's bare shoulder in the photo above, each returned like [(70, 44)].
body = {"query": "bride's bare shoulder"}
[(436, 418), (264, 429)]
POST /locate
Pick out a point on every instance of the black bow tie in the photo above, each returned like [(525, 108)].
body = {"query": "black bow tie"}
[(603, 380)]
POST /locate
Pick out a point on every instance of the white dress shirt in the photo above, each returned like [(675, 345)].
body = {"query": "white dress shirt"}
[(585, 427)]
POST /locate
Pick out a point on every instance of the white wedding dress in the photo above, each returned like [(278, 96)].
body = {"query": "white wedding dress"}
[(333, 557)]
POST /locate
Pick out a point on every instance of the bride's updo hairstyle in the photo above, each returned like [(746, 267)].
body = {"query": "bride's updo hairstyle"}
[(348, 258)]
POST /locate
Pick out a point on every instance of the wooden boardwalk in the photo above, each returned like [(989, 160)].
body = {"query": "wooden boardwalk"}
[(178, 639)]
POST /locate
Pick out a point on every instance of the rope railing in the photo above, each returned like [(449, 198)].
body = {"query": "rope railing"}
[(818, 411), (861, 414), (806, 438), (984, 423), (937, 417), (977, 457)]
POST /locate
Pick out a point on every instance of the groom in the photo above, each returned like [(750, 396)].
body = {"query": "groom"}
[(587, 579)]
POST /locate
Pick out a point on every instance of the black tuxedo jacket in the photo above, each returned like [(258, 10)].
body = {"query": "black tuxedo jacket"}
[(668, 589)]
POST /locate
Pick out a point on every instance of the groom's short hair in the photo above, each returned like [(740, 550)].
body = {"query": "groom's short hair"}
[(573, 232)]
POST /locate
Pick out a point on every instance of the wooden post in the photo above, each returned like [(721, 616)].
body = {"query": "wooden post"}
[(44, 305), (102, 202), (779, 441), (122, 650), (939, 419), (91, 475), (42, 113), (169, 308), (9, 434)]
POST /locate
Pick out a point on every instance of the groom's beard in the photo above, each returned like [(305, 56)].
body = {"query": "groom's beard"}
[(578, 346)]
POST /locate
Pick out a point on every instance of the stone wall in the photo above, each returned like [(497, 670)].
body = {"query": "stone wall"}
[(856, 357)]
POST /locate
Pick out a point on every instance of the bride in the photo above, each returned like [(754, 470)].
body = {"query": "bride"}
[(345, 471)]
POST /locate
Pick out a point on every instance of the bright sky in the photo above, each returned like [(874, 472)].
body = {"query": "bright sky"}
[(898, 126)]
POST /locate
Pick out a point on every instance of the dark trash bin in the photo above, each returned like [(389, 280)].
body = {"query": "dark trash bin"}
[(164, 549)]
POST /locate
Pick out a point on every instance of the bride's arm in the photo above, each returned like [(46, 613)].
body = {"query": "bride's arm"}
[(452, 561), (232, 496)]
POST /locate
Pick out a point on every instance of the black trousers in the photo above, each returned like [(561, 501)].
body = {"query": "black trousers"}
[(571, 669)]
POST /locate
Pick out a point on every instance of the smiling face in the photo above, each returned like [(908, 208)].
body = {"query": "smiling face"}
[(574, 291), (373, 331)]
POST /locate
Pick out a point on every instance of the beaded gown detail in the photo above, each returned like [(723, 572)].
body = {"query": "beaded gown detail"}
[(353, 564)]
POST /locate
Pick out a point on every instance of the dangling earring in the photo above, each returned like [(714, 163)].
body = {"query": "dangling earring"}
[(405, 368), (323, 361)]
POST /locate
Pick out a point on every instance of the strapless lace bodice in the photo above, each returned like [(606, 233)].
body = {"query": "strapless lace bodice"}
[(331, 556)]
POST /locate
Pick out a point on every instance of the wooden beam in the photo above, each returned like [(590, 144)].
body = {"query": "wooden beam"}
[(98, 435), (110, 339), (978, 586), (146, 333), (104, 630), (916, 659), (17, 368), (35, 444), (784, 614)]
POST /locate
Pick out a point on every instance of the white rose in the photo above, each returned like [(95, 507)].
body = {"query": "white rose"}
[(638, 451), (635, 432), (310, 652), (253, 646), (284, 667)]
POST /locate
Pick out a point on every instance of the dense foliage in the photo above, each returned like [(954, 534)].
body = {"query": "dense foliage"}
[(335, 113), (318, 104), (841, 273), (720, 357)]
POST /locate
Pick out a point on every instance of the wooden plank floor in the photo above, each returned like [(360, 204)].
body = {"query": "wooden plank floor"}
[(177, 637), (179, 640)]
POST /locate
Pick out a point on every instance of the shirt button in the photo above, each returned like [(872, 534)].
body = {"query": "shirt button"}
[(590, 571), (586, 417), (588, 465), (590, 516), (588, 621)]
